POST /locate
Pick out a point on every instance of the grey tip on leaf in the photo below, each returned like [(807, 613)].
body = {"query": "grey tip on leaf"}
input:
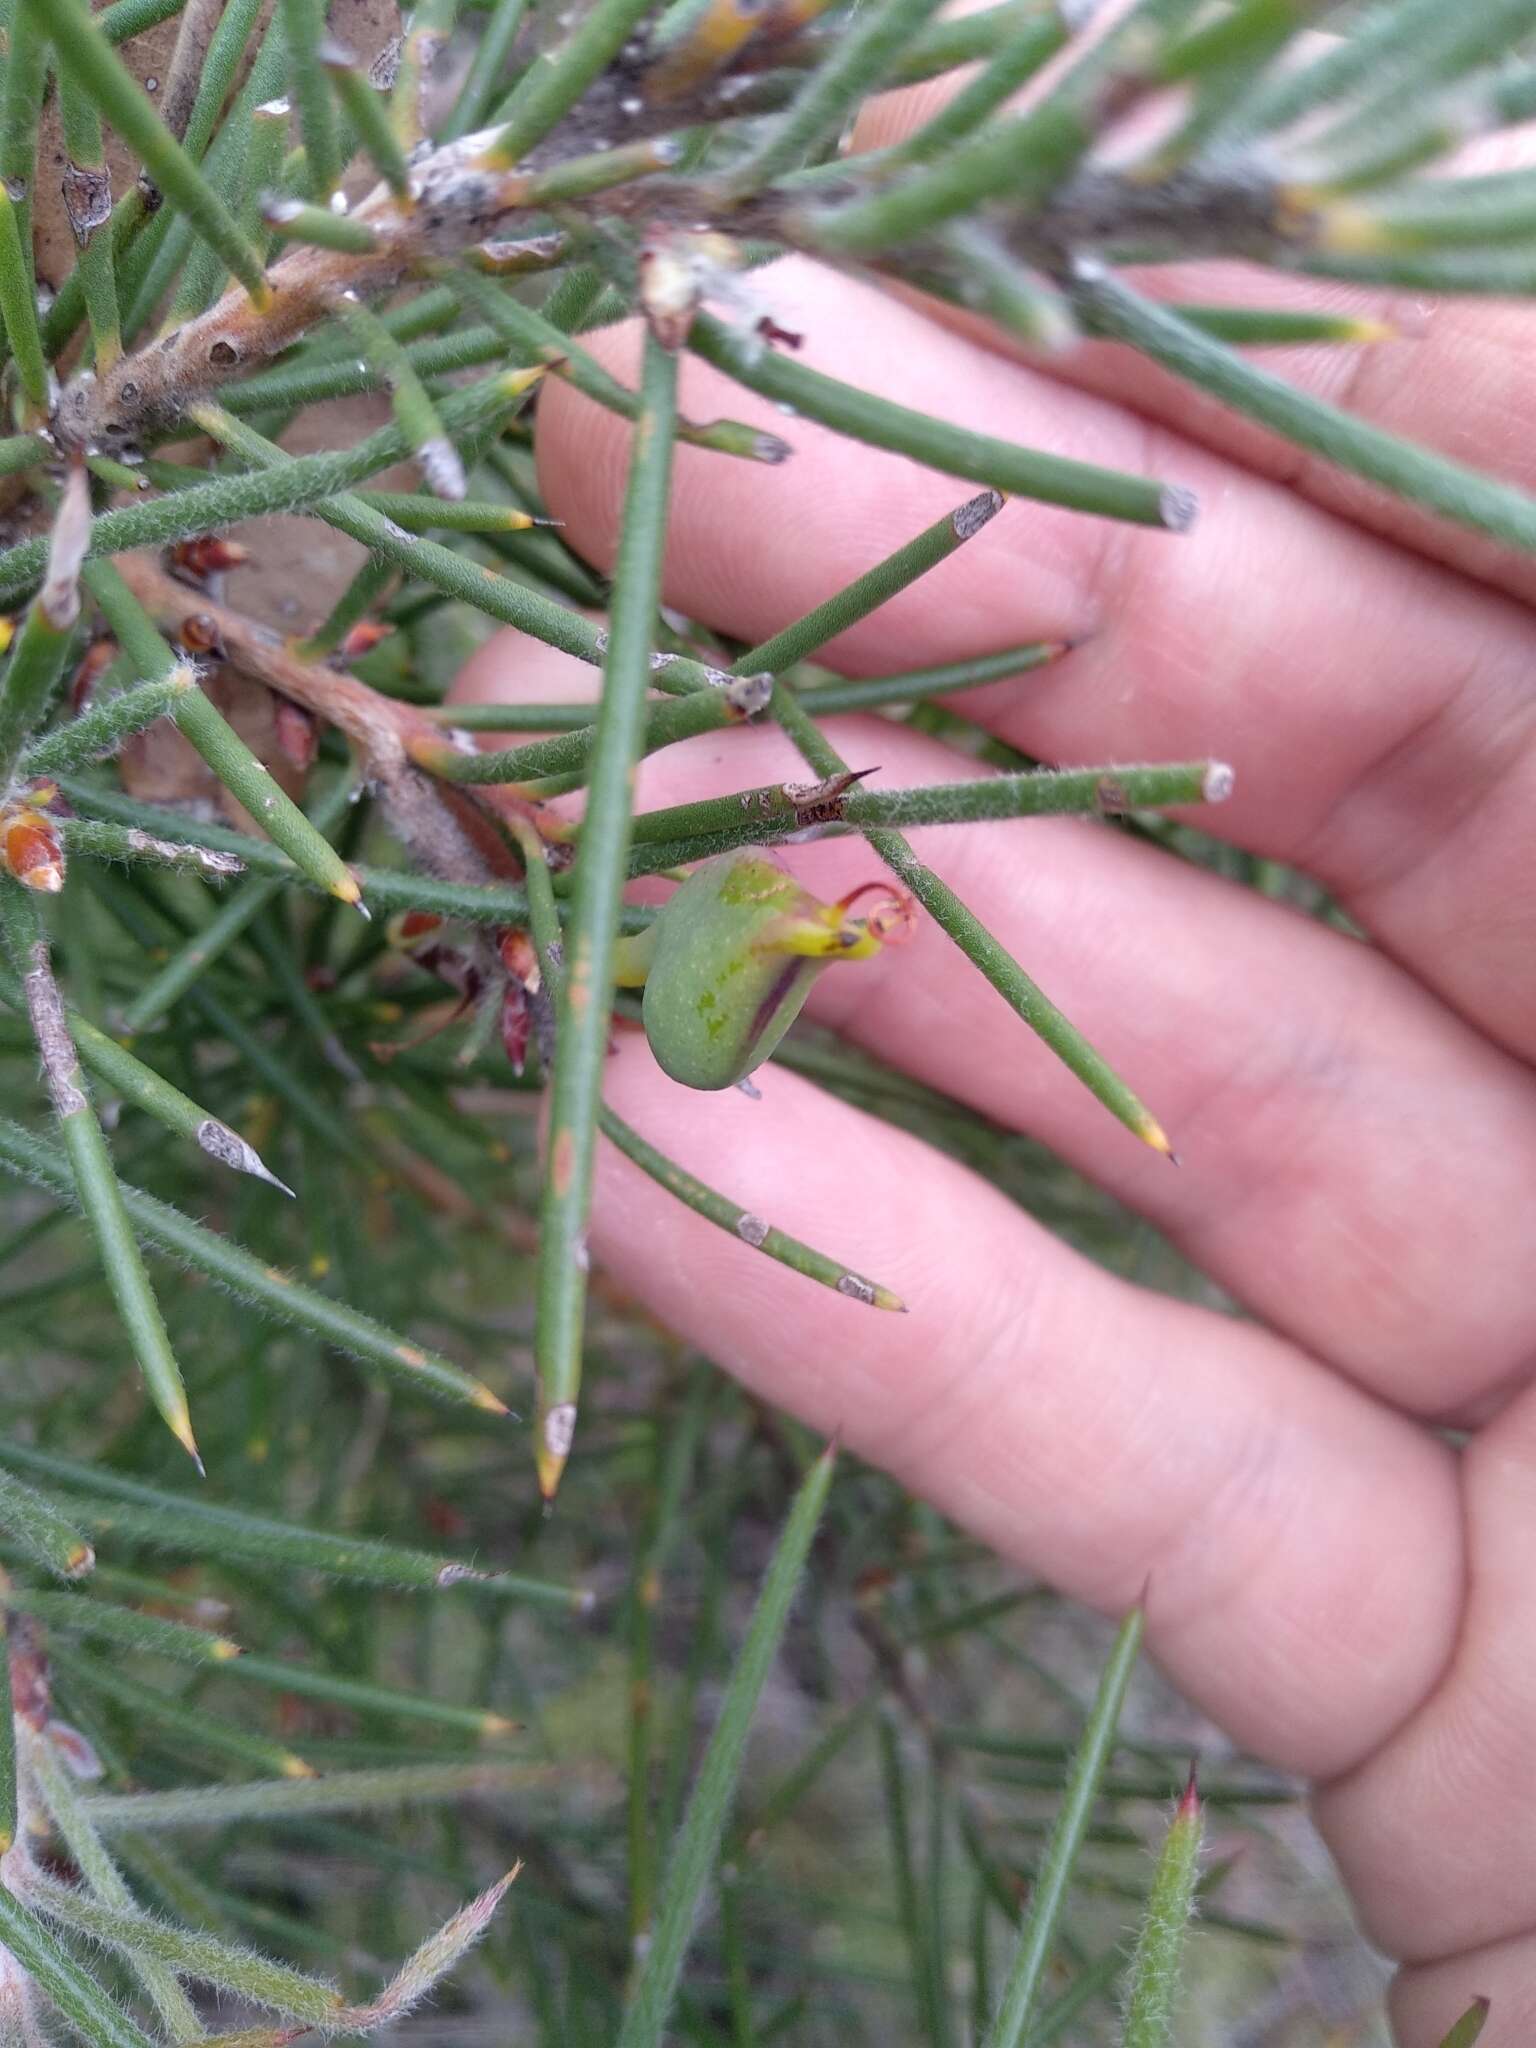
[(1218, 782), (230, 1149), (277, 211), (856, 1289), (272, 110), (1179, 508), (1076, 14), (335, 56), (751, 1229), (667, 149), (560, 1429), (770, 448), (968, 519)]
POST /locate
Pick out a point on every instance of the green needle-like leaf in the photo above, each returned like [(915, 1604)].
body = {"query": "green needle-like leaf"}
[(211, 1806), (71, 1988), (242, 774), (425, 434), (957, 451), (100, 731), (557, 78), (709, 1809), (42, 1530), (369, 114), (537, 337), (751, 1230), (18, 312), (171, 1722), (1019, 57), (102, 1876), (159, 1520), (78, 1615), (305, 22), (581, 1045), (37, 660), (1468, 2029), (858, 64), (251, 1279), (1433, 481), (1026, 1976), (567, 753), (477, 94), (96, 1186), (138, 1936), (778, 811), (1153, 1983), (140, 1084)]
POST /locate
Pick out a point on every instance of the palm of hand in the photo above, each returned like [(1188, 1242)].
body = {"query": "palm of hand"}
[(1329, 1577)]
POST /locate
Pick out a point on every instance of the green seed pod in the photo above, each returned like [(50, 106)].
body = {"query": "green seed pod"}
[(736, 951)]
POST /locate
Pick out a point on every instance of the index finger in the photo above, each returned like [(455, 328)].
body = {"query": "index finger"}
[(1376, 707), (1458, 379)]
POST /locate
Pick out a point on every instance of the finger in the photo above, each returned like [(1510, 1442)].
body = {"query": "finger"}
[(1292, 1066), (1378, 710), (1455, 381), (1435, 1831), (1098, 1435), (1426, 2002)]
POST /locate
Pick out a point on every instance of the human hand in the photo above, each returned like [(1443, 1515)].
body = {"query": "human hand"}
[(1346, 1593)]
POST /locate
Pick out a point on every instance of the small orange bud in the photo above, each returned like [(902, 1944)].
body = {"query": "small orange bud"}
[(199, 634), (412, 926), (32, 851), (207, 554), (362, 639)]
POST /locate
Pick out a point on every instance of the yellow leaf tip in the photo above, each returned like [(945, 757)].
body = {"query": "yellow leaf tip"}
[(1151, 1132), (1347, 230)]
